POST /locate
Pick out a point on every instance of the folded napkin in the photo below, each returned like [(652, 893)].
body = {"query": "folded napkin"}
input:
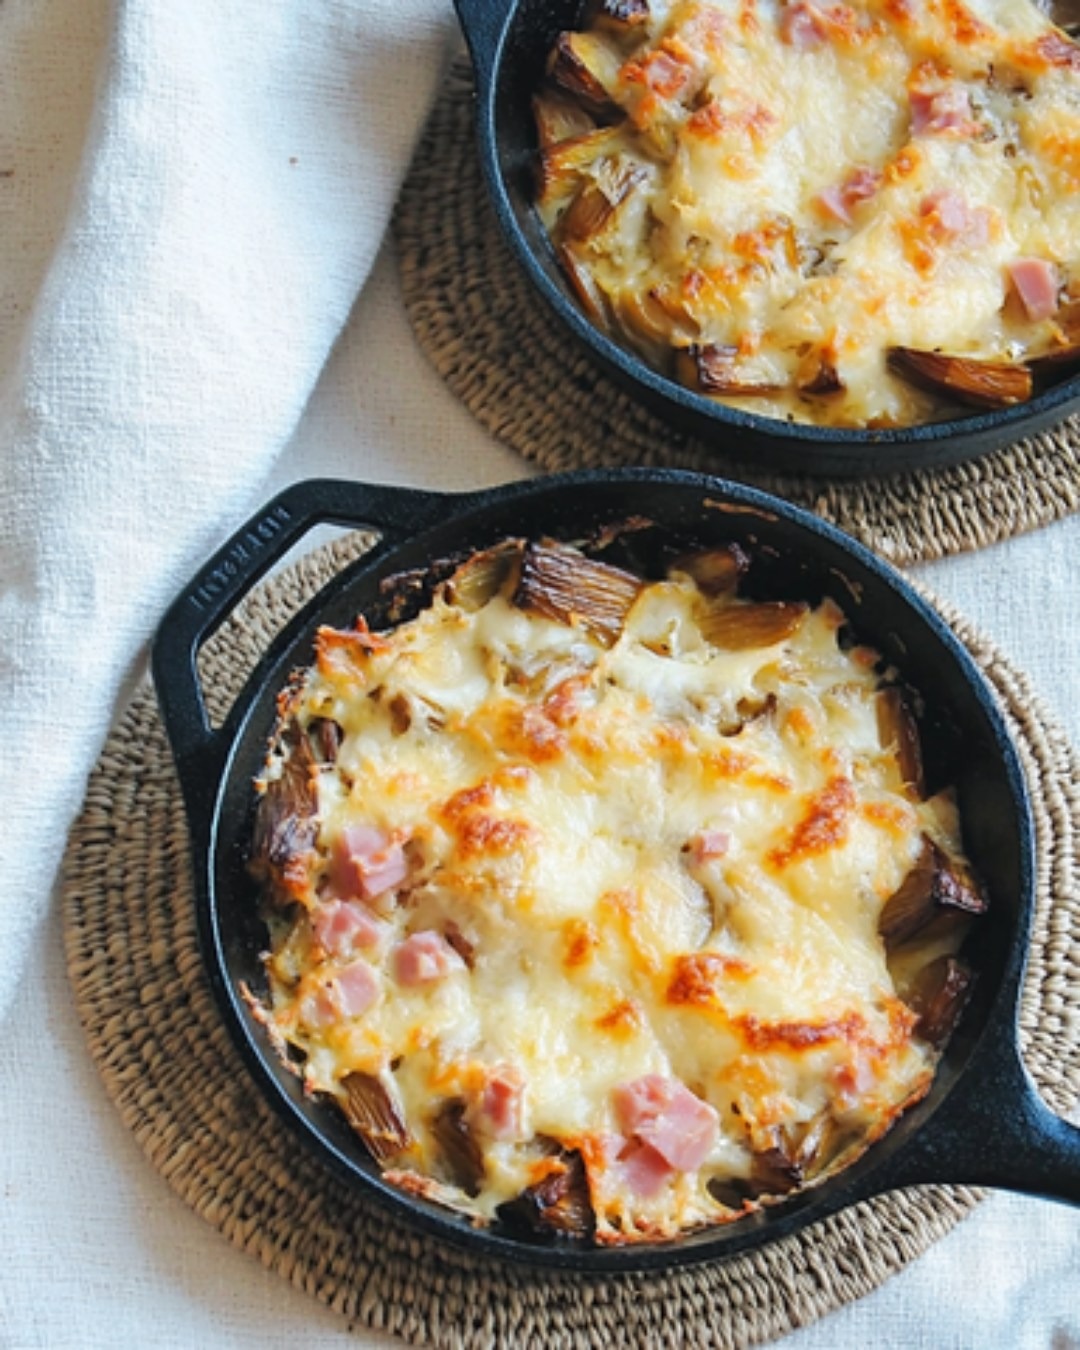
[(191, 197)]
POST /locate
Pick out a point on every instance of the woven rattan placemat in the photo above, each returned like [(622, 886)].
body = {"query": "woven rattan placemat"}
[(509, 360), (181, 1087)]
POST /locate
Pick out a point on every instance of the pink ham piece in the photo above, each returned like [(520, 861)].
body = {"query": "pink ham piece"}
[(644, 1170), (838, 201), (1036, 283), (501, 1108), (707, 845), (833, 203), (942, 112), (664, 1114), (803, 26), (366, 863), (355, 988), (424, 957), (340, 927), (347, 993), (955, 219)]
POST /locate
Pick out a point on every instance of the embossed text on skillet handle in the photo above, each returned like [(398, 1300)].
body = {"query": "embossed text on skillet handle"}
[(215, 591)]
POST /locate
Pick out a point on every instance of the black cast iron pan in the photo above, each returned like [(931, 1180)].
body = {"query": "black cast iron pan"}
[(981, 1123), (508, 41)]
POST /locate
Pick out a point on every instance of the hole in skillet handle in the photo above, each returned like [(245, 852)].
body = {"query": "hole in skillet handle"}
[(798, 556), (218, 588)]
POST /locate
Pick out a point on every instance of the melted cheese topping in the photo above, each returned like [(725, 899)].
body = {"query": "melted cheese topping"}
[(658, 859), (802, 185)]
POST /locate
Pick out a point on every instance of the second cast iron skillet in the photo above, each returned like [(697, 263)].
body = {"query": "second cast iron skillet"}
[(982, 1122), (509, 41)]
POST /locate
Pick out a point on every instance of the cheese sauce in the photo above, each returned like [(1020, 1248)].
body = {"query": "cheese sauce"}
[(614, 898), (781, 192)]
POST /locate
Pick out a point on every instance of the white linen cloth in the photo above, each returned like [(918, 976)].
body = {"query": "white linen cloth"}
[(193, 194)]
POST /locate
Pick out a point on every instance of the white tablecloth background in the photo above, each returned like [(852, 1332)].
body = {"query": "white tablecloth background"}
[(96, 1249)]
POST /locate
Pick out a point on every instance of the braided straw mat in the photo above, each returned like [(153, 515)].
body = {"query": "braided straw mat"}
[(181, 1087), (509, 360)]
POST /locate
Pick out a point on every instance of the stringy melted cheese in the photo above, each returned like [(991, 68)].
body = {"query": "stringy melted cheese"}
[(724, 239), (550, 790)]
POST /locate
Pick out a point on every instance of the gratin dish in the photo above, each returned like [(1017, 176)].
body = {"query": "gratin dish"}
[(509, 43), (982, 1121)]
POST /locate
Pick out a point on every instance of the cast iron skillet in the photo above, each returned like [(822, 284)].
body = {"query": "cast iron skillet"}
[(508, 41), (982, 1121)]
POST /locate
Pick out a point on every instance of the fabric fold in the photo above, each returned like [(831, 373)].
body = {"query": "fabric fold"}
[(240, 167)]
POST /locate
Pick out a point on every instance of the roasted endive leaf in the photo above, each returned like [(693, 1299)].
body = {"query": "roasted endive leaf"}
[(1066, 353), (372, 1111), (325, 736), (598, 198), (938, 995), (622, 18), (590, 296), (656, 318), (559, 117), (819, 376), (897, 727), (562, 584), (985, 384), (481, 577), (799, 1154), (716, 571), (742, 625), (286, 824), (461, 1153), (559, 1204), (774, 1171), (713, 369), (561, 168), (587, 66), (936, 887)]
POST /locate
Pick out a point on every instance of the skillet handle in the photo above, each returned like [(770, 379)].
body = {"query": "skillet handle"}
[(995, 1130), (483, 23), (212, 595)]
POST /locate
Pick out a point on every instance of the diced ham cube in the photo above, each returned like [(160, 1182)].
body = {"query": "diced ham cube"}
[(863, 182), (340, 928), (641, 1100), (424, 957), (367, 863), (955, 219), (665, 1114), (356, 988), (347, 993), (644, 1171), (684, 1134), (941, 112), (1036, 283), (834, 203), (708, 845), (500, 1110), (803, 25), (319, 1010), (838, 201)]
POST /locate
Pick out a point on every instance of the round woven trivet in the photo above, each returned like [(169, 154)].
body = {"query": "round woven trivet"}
[(509, 360), (181, 1087)]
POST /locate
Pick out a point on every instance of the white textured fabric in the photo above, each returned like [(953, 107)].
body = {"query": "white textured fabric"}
[(193, 194)]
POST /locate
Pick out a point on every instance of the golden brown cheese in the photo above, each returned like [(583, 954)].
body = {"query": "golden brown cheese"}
[(592, 912), (774, 201)]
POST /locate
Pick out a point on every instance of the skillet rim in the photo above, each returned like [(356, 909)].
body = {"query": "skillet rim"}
[(788, 446)]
